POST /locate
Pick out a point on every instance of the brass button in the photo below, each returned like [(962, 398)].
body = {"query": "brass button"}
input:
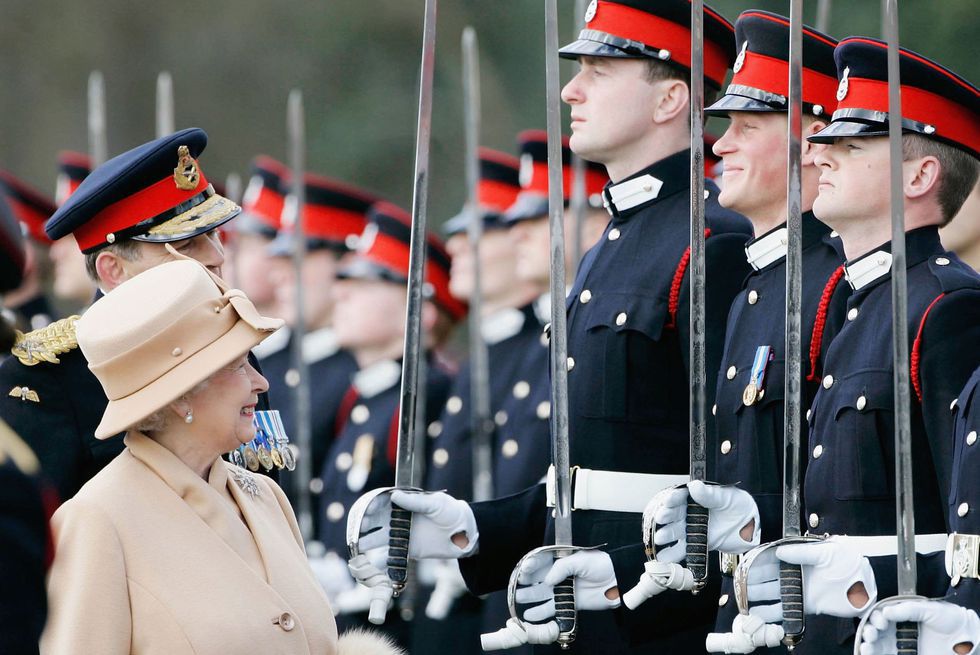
[(522, 389), (316, 486), (285, 621), (817, 451), (571, 363), (621, 319), (440, 457), (852, 313), (971, 438), (360, 414), (434, 429), (726, 447), (613, 234), (335, 511), (814, 520), (862, 402), (509, 448), (963, 509), (500, 418), (731, 372), (585, 296), (828, 381), (454, 404), (544, 409), (714, 410), (292, 378), (344, 461), (722, 600), (753, 297)]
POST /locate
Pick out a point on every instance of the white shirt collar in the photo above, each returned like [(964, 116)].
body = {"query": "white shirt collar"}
[(767, 249), (868, 268), (501, 325), (273, 343), (632, 192), (319, 345), (377, 377)]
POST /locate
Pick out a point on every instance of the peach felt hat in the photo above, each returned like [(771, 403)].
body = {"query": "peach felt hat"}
[(157, 335)]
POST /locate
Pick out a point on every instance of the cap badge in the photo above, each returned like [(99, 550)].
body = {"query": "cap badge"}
[(526, 172), (740, 60), (842, 87), (366, 240), (186, 175), (290, 210), (590, 12)]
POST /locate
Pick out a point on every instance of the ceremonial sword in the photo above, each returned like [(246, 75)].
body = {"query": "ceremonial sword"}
[(165, 105), (907, 632), (97, 147)]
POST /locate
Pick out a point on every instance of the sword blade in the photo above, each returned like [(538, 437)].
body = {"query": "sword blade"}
[(165, 105), (97, 147), (481, 427), (904, 506), (296, 128)]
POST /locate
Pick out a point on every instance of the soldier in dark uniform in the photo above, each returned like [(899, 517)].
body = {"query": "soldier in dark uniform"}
[(334, 213), (123, 216), (29, 302), (747, 440), (628, 324), (849, 488), (72, 287), (369, 318)]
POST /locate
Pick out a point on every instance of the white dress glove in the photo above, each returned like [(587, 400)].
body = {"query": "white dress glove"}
[(658, 577), (729, 510), (942, 627), (514, 634), (829, 568), (332, 574), (436, 517), (449, 585), (593, 573), (748, 633), (374, 591)]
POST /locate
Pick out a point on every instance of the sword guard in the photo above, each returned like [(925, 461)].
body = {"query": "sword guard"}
[(906, 632)]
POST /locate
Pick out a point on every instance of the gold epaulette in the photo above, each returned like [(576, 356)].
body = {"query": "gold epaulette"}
[(45, 344), (20, 453)]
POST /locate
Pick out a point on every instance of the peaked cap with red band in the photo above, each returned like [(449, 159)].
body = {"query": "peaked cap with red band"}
[(263, 199), (498, 188), (383, 254), (30, 206), (73, 167), (155, 192), (12, 256), (532, 202), (936, 102), (761, 81), (654, 29), (334, 214)]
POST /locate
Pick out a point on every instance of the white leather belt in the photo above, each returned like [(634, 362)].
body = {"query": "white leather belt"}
[(888, 544), (613, 491), (962, 555)]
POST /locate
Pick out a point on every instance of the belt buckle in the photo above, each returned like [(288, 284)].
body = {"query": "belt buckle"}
[(966, 548), (728, 562)]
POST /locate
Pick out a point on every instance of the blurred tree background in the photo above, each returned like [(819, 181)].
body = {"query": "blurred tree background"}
[(233, 64)]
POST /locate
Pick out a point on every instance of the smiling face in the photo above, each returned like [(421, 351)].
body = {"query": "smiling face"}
[(223, 410), (753, 149)]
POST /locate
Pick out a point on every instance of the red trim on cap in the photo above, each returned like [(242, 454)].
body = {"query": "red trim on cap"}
[(658, 33), (594, 180), (497, 195), (952, 120), (917, 350), (914, 57), (30, 217), (332, 223), (772, 74), (267, 207), (140, 206)]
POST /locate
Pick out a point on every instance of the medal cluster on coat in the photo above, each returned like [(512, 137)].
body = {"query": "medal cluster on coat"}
[(270, 447)]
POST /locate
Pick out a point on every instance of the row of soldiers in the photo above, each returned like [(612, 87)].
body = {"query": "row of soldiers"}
[(628, 333)]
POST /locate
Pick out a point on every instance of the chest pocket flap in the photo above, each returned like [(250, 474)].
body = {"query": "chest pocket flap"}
[(626, 311)]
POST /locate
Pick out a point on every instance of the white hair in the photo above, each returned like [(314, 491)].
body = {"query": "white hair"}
[(160, 419)]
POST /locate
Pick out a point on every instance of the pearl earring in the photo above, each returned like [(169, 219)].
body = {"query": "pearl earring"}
[(189, 417)]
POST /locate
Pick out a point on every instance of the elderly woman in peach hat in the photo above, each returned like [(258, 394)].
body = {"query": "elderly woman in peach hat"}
[(171, 549)]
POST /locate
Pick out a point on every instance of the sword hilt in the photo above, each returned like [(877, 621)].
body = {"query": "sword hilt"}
[(696, 559), (907, 638), (565, 613), (791, 595), (401, 531)]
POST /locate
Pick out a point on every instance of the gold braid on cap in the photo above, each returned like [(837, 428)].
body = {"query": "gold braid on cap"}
[(210, 211), (45, 344)]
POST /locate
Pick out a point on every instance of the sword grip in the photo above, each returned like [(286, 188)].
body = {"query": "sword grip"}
[(696, 559), (791, 595), (907, 638), (565, 614), (401, 530)]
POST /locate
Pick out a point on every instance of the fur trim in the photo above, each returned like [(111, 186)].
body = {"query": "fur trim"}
[(367, 642)]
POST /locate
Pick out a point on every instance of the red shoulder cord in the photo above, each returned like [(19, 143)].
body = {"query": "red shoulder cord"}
[(343, 412), (816, 339), (916, 350), (392, 450), (675, 285)]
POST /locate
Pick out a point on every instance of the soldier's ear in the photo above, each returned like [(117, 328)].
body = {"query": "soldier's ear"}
[(811, 150), (672, 101), (111, 270), (921, 176)]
